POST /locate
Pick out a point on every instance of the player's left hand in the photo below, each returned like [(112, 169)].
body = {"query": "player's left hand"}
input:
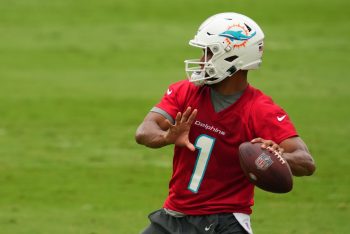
[(269, 145)]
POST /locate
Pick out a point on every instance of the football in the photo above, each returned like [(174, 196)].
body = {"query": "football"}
[(268, 171)]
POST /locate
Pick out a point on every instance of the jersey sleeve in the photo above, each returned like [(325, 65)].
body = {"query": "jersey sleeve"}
[(173, 100), (271, 122)]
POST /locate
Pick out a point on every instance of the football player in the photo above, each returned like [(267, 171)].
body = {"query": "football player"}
[(206, 117)]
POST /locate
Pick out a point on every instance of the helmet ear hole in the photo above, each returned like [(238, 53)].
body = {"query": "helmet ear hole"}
[(215, 49), (231, 58)]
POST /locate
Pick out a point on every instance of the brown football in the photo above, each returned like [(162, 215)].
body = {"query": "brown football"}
[(268, 171)]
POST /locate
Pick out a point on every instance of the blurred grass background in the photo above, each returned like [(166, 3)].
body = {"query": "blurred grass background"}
[(77, 77)]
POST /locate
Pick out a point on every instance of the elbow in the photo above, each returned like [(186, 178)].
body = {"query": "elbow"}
[(139, 136), (305, 170), (138, 139), (311, 168), (303, 165), (310, 165)]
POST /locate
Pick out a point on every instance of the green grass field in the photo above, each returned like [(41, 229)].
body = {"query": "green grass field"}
[(77, 77)]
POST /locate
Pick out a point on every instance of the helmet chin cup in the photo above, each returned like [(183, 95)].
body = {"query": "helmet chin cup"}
[(197, 78), (235, 42)]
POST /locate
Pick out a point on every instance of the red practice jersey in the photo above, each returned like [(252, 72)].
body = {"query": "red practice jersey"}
[(210, 179)]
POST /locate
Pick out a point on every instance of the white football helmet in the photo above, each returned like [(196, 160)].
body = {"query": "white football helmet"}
[(236, 43)]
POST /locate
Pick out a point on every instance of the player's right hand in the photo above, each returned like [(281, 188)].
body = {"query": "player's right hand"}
[(178, 132)]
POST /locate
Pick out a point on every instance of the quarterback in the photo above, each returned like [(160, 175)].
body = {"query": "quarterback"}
[(206, 117)]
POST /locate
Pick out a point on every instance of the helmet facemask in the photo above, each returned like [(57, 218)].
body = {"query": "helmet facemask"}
[(203, 71)]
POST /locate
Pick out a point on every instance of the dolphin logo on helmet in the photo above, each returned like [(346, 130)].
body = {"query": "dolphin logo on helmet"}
[(236, 35)]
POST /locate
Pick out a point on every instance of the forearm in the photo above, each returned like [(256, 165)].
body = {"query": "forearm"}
[(150, 135), (300, 162)]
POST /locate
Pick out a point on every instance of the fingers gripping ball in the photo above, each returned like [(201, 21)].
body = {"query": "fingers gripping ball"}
[(267, 170)]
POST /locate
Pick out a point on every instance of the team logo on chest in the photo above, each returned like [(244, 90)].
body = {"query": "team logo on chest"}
[(209, 127)]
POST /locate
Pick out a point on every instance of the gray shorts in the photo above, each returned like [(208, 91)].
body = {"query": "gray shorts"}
[(163, 223)]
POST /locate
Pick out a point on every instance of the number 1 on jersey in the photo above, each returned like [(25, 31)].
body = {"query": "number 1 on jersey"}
[(204, 144)]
